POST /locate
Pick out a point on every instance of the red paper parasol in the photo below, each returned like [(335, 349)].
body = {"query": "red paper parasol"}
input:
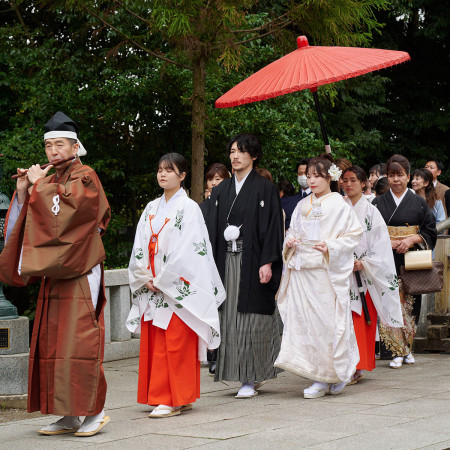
[(307, 68)]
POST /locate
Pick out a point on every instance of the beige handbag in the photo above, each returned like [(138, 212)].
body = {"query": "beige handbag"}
[(418, 260), (421, 275)]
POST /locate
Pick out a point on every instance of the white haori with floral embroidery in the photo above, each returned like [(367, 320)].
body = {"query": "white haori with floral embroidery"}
[(186, 273), (318, 341), (378, 276)]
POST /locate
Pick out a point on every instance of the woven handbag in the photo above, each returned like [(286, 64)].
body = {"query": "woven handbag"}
[(424, 281)]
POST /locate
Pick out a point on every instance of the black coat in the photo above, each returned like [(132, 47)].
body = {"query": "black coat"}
[(413, 210), (257, 208)]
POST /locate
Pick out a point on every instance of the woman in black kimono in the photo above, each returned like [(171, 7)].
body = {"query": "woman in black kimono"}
[(410, 224)]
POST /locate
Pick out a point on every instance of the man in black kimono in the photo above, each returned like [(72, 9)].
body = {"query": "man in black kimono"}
[(245, 225)]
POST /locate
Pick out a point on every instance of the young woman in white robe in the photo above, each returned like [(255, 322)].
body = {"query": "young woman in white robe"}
[(176, 291), (375, 263), (318, 340)]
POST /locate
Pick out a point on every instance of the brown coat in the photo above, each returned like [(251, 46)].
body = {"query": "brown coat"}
[(440, 190), (66, 353)]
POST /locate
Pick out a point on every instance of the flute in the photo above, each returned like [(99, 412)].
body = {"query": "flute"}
[(54, 164)]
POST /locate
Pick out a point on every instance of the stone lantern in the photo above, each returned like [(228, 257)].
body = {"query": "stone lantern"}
[(14, 339), (7, 309)]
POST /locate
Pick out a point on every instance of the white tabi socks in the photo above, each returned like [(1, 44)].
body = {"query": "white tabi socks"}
[(247, 390), (66, 424), (91, 423)]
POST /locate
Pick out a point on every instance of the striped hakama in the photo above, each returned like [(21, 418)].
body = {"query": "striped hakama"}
[(250, 342)]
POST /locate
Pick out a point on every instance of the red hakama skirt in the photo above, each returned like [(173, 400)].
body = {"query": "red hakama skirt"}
[(365, 336), (169, 369)]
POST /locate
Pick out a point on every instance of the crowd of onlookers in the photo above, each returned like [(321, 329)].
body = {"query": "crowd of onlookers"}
[(424, 182)]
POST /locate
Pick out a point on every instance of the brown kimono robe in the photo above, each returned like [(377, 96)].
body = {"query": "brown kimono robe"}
[(61, 247)]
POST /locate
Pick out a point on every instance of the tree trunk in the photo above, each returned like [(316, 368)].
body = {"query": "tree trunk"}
[(198, 127)]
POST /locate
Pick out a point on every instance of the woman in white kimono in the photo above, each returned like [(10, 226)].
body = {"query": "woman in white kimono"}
[(176, 292), (375, 264), (314, 303)]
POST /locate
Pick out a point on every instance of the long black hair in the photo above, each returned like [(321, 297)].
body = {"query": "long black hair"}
[(431, 196), (176, 162)]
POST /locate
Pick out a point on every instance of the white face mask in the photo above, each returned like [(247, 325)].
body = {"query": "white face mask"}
[(302, 181)]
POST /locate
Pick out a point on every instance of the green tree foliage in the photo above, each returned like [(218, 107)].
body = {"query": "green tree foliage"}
[(404, 109), (197, 34), (125, 74)]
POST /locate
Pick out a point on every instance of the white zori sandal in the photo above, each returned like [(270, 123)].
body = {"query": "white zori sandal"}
[(316, 390), (68, 424), (337, 388), (397, 362), (92, 425), (409, 359), (163, 411)]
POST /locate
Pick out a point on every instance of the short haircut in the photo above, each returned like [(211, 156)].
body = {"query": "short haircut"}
[(379, 169), (302, 162), (381, 186), (287, 187), (397, 164), (264, 173), (438, 163), (217, 169), (342, 163), (359, 172), (248, 143), (176, 162)]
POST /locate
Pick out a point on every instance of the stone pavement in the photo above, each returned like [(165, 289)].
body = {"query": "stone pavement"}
[(407, 408)]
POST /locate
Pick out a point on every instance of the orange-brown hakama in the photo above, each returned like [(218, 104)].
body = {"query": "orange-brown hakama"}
[(169, 369), (365, 336), (66, 352)]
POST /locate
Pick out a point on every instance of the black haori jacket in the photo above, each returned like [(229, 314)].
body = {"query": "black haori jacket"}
[(257, 208)]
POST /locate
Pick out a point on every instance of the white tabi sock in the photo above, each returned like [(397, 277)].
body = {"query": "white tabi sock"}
[(91, 423), (247, 388), (318, 385), (66, 422)]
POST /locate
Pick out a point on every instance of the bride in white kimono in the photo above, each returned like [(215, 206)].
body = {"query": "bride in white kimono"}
[(314, 302), (176, 291)]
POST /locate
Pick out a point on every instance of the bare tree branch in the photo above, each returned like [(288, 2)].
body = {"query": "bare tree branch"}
[(259, 36), (133, 13), (262, 27), (19, 16), (133, 42)]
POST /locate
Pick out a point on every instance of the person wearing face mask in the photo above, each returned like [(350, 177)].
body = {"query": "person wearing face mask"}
[(289, 201), (305, 190)]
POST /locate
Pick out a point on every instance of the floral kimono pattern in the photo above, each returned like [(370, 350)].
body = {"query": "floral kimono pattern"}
[(378, 276), (185, 273)]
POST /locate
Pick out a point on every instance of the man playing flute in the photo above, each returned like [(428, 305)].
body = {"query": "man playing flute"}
[(53, 233)]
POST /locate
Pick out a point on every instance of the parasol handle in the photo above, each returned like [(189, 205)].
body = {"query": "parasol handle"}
[(322, 124)]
